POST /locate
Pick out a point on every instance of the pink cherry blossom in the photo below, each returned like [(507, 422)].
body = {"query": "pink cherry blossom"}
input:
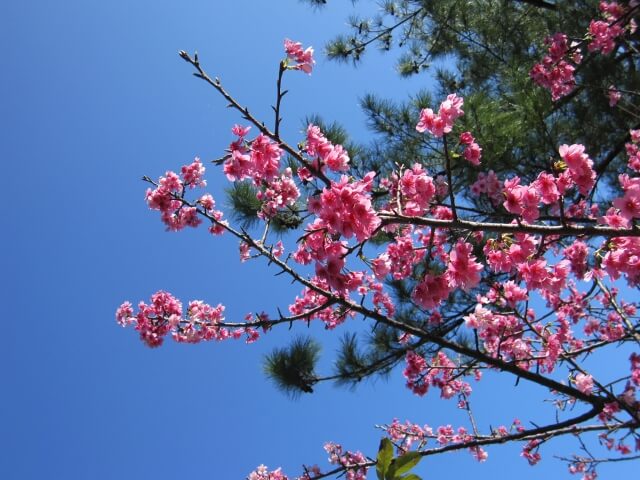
[(303, 58), (580, 166), (584, 383), (555, 72), (431, 291), (473, 153), (614, 96), (417, 189), (333, 156), (463, 271), (345, 208), (192, 174), (438, 125)]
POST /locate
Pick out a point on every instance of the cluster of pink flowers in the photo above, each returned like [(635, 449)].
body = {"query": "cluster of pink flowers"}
[(580, 167), (278, 193), (262, 473), (166, 198), (193, 173), (303, 58), (633, 151), (462, 269), (346, 209), (404, 435), (352, 461), (399, 259), (584, 383), (556, 71), (333, 156), (623, 258), (489, 185), (208, 204), (450, 110), (311, 301), (614, 96), (635, 369), (577, 253), (629, 204), (501, 334), (531, 451), (431, 291), (258, 159), (417, 189), (603, 33), (507, 293), (521, 200), (472, 152), (441, 373), (164, 316), (524, 200)]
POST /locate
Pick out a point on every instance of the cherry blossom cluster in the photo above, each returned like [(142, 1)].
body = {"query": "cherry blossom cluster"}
[(472, 152), (277, 194), (442, 122), (405, 435), (164, 316), (326, 153), (462, 271), (441, 373), (556, 71), (258, 159), (399, 259), (168, 196), (603, 33), (345, 208), (413, 191), (353, 462), (303, 58), (313, 305), (614, 95), (488, 184), (633, 151), (262, 473), (524, 200)]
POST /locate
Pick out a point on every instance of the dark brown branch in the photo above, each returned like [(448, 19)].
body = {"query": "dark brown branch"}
[(539, 4), (569, 426), (460, 224), (279, 95), (215, 83)]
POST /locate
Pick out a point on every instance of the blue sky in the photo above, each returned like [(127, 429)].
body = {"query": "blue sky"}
[(94, 96)]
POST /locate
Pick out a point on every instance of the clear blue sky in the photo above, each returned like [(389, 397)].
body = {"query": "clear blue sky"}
[(93, 97)]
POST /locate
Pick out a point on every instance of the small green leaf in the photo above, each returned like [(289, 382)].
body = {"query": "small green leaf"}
[(411, 476), (402, 465), (385, 455)]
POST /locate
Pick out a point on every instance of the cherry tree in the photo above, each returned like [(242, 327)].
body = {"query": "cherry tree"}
[(501, 275)]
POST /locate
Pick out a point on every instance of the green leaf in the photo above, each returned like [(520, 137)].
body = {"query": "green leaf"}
[(402, 465), (385, 455), (411, 476)]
